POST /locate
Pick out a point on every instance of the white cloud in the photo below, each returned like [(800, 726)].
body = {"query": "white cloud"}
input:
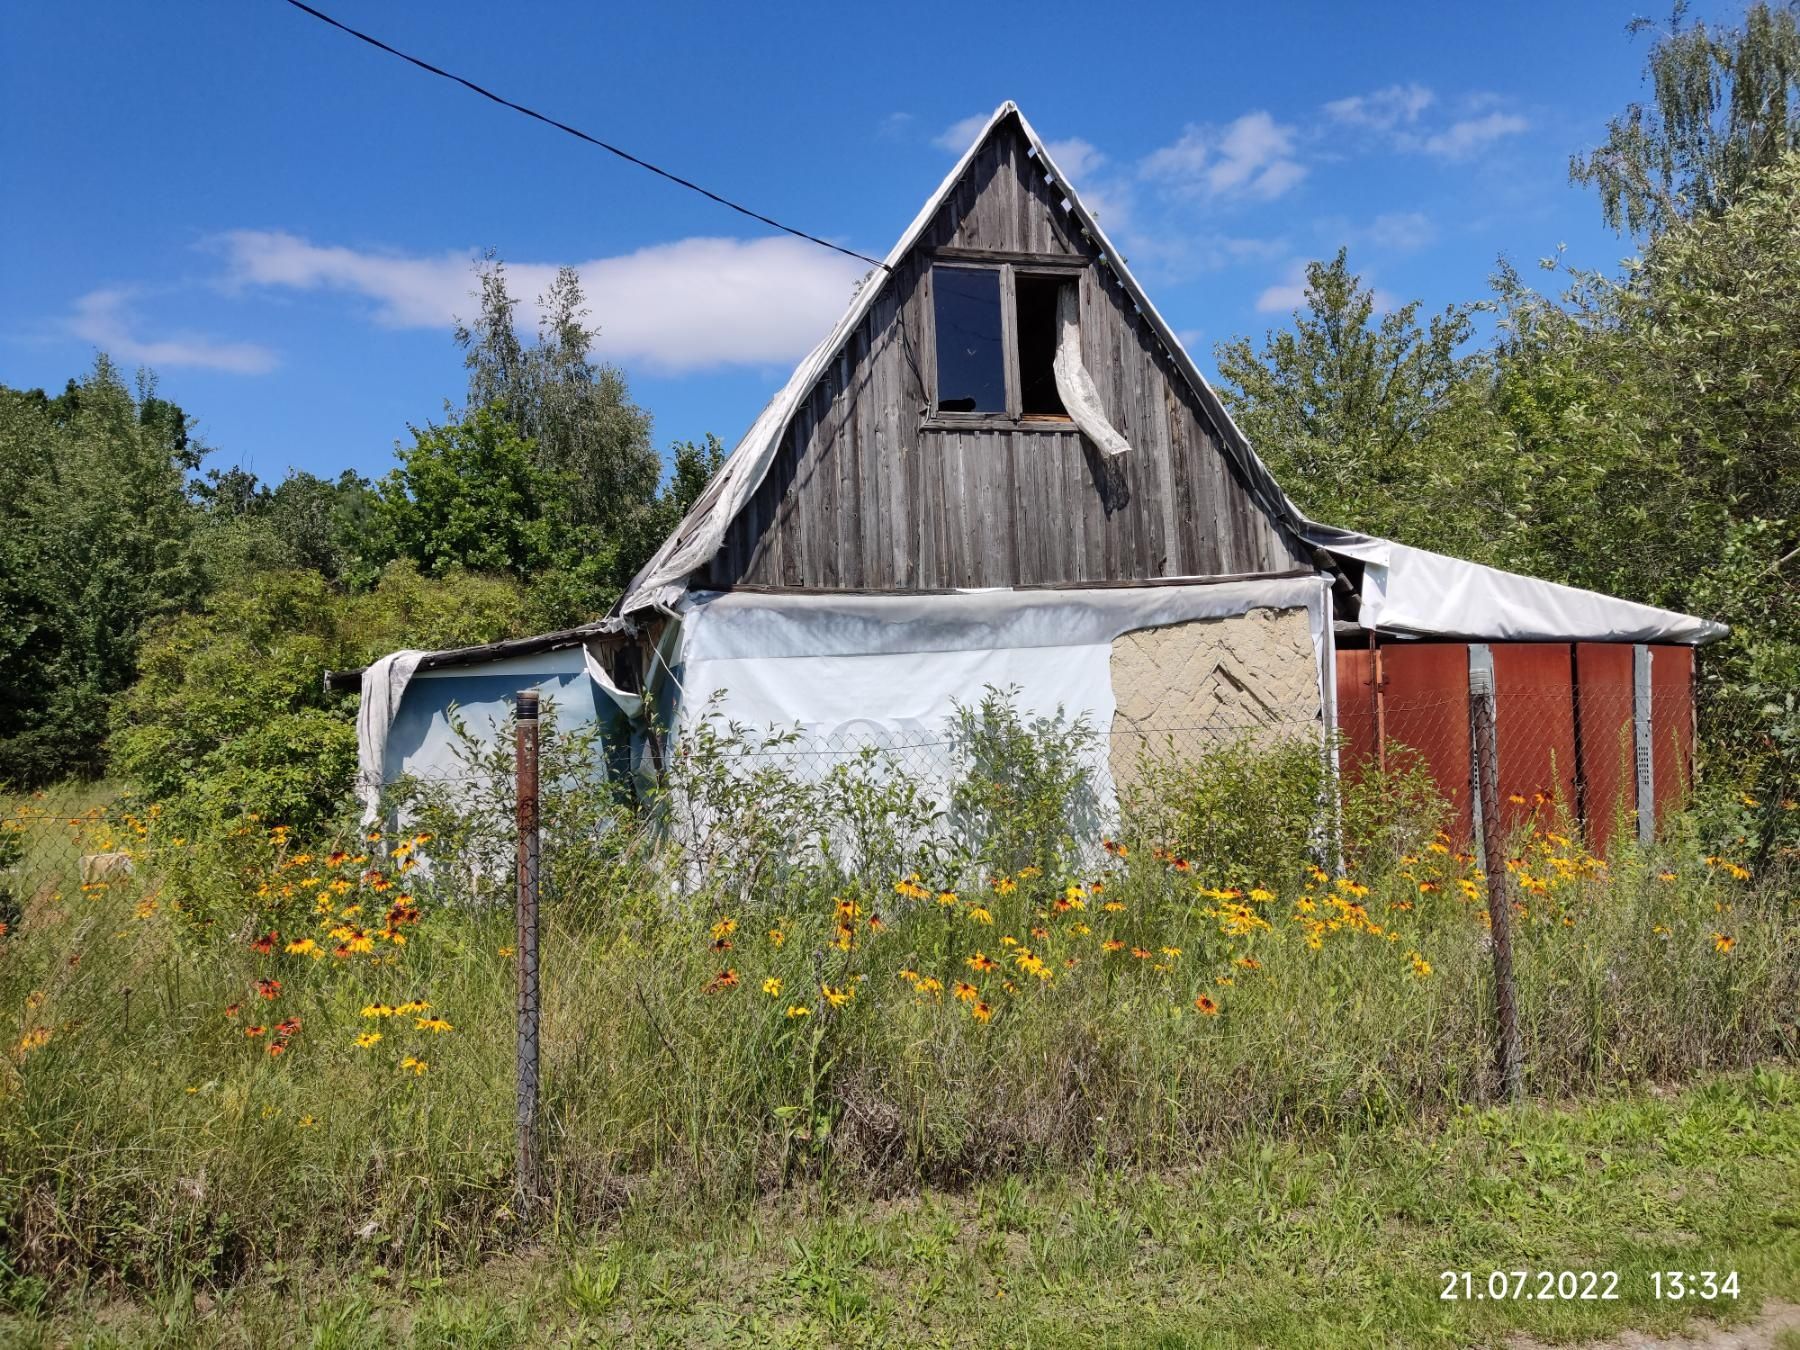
[(1285, 295), (1075, 157), (959, 136), (106, 319), (894, 126), (1464, 138), (1384, 109), (1250, 158), (1402, 231), (687, 305)]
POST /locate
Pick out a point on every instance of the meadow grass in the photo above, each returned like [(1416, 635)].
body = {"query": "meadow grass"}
[(261, 1067), (1333, 1240)]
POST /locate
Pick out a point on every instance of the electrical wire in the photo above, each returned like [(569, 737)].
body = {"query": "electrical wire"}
[(579, 134)]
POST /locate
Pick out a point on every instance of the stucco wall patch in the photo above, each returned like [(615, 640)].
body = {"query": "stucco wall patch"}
[(1210, 681)]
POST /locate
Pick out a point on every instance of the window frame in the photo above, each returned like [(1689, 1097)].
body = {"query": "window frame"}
[(1010, 266)]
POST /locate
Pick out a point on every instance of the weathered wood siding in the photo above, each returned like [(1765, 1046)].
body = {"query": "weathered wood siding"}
[(864, 495)]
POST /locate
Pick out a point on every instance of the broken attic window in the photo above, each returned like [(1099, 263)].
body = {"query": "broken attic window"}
[(1037, 329), (971, 352)]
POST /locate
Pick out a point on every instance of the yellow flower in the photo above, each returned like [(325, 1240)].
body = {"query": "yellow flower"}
[(377, 1010), (417, 1066), (1171, 951), (433, 1024), (799, 1010), (724, 928), (965, 992), (837, 998), (1420, 966), (35, 1039), (930, 986), (772, 986), (981, 915), (1260, 895), (368, 1039), (981, 1012), (946, 897), (776, 937), (1114, 907), (1723, 942), (307, 1122), (301, 946)]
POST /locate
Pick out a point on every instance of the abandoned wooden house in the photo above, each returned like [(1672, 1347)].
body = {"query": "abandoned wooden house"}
[(1001, 469)]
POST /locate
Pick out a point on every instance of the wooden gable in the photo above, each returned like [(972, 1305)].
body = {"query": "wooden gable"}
[(867, 491)]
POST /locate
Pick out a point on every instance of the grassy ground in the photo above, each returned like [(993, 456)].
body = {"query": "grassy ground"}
[(1339, 1241)]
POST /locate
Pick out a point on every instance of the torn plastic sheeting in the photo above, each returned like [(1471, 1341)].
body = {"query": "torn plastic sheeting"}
[(383, 686), (632, 705), (1081, 400)]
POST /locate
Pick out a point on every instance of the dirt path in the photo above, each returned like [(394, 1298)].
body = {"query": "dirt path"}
[(1763, 1332)]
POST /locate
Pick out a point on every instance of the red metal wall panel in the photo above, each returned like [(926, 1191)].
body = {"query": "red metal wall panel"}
[(1606, 753), (1671, 725), (1356, 710), (1425, 706), (1534, 724)]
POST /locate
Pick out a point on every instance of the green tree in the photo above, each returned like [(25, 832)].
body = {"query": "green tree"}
[(472, 494), (98, 534), (1341, 404), (1725, 106), (304, 521), (577, 414), (231, 715)]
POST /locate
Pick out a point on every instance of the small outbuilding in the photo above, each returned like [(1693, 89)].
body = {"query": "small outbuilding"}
[(1001, 469)]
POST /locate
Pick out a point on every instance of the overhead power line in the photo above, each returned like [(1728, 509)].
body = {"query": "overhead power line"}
[(581, 135)]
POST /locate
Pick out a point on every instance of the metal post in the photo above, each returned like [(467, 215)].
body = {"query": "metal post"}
[(1508, 1054), (526, 947)]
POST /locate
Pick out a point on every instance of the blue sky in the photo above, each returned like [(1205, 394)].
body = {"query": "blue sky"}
[(280, 220)]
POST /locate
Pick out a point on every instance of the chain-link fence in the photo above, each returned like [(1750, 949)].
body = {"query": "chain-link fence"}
[(1590, 765)]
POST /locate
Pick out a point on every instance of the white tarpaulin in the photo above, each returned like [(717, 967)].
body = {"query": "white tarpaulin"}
[(851, 670), (1410, 590), (383, 686)]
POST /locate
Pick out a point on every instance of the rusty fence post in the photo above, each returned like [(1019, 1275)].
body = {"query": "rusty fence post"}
[(1485, 770), (526, 946)]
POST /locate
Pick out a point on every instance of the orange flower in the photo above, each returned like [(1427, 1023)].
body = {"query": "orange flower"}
[(268, 988), (1113, 945), (725, 979), (1206, 1005), (277, 1048), (253, 1032), (983, 962), (266, 943), (231, 1009)]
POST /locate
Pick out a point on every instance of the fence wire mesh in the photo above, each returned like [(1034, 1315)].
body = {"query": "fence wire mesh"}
[(1591, 765)]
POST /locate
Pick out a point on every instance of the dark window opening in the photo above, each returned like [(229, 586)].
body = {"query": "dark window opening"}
[(1038, 332), (971, 350)]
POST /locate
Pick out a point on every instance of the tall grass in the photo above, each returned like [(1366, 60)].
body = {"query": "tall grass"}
[(260, 1053)]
